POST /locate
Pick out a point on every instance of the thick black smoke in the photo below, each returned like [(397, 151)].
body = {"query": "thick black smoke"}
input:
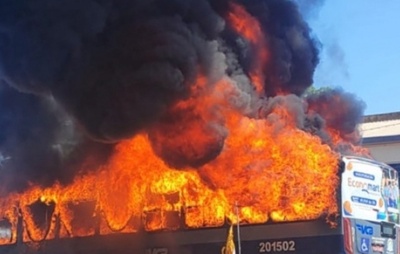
[(294, 56), (38, 143), (28, 132), (337, 110), (116, 67), (294, 53)]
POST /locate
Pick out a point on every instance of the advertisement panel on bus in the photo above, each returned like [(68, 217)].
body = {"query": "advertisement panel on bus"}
[(370, 207), (370, 192)]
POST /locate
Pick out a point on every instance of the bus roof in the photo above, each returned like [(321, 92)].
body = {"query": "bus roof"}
[(363, 159)]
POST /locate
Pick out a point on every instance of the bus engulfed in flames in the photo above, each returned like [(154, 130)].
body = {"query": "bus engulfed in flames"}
[(136, 190), (245, 153), (263, 174)]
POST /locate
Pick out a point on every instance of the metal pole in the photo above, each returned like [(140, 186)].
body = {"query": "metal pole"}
[(238, 229)]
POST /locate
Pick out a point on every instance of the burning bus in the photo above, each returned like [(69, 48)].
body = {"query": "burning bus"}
[(149, 126), (367, 221)]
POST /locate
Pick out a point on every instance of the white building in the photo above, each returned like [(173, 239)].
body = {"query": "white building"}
[(381, 135)]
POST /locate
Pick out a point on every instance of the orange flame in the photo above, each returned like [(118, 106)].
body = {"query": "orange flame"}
[(249, 28), (267, 168), (337, 138)]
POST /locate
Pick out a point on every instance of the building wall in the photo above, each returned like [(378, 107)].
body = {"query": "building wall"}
[(388, 153), (381, 135)]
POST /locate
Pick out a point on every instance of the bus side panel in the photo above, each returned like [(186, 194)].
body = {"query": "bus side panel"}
[(332, 244)]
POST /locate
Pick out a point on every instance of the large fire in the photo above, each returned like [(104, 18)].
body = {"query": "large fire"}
[(265, 172), (268, 170)]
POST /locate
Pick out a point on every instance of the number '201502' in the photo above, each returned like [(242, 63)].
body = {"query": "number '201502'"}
[(277, 246)]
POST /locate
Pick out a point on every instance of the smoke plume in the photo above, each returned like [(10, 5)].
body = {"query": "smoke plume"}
[(335, 109), (77, 77)]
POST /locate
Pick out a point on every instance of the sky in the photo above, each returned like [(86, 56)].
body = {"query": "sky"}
[(360, 50)]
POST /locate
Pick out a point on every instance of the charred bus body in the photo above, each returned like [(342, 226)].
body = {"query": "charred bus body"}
[(367, 224), (296, 237)]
